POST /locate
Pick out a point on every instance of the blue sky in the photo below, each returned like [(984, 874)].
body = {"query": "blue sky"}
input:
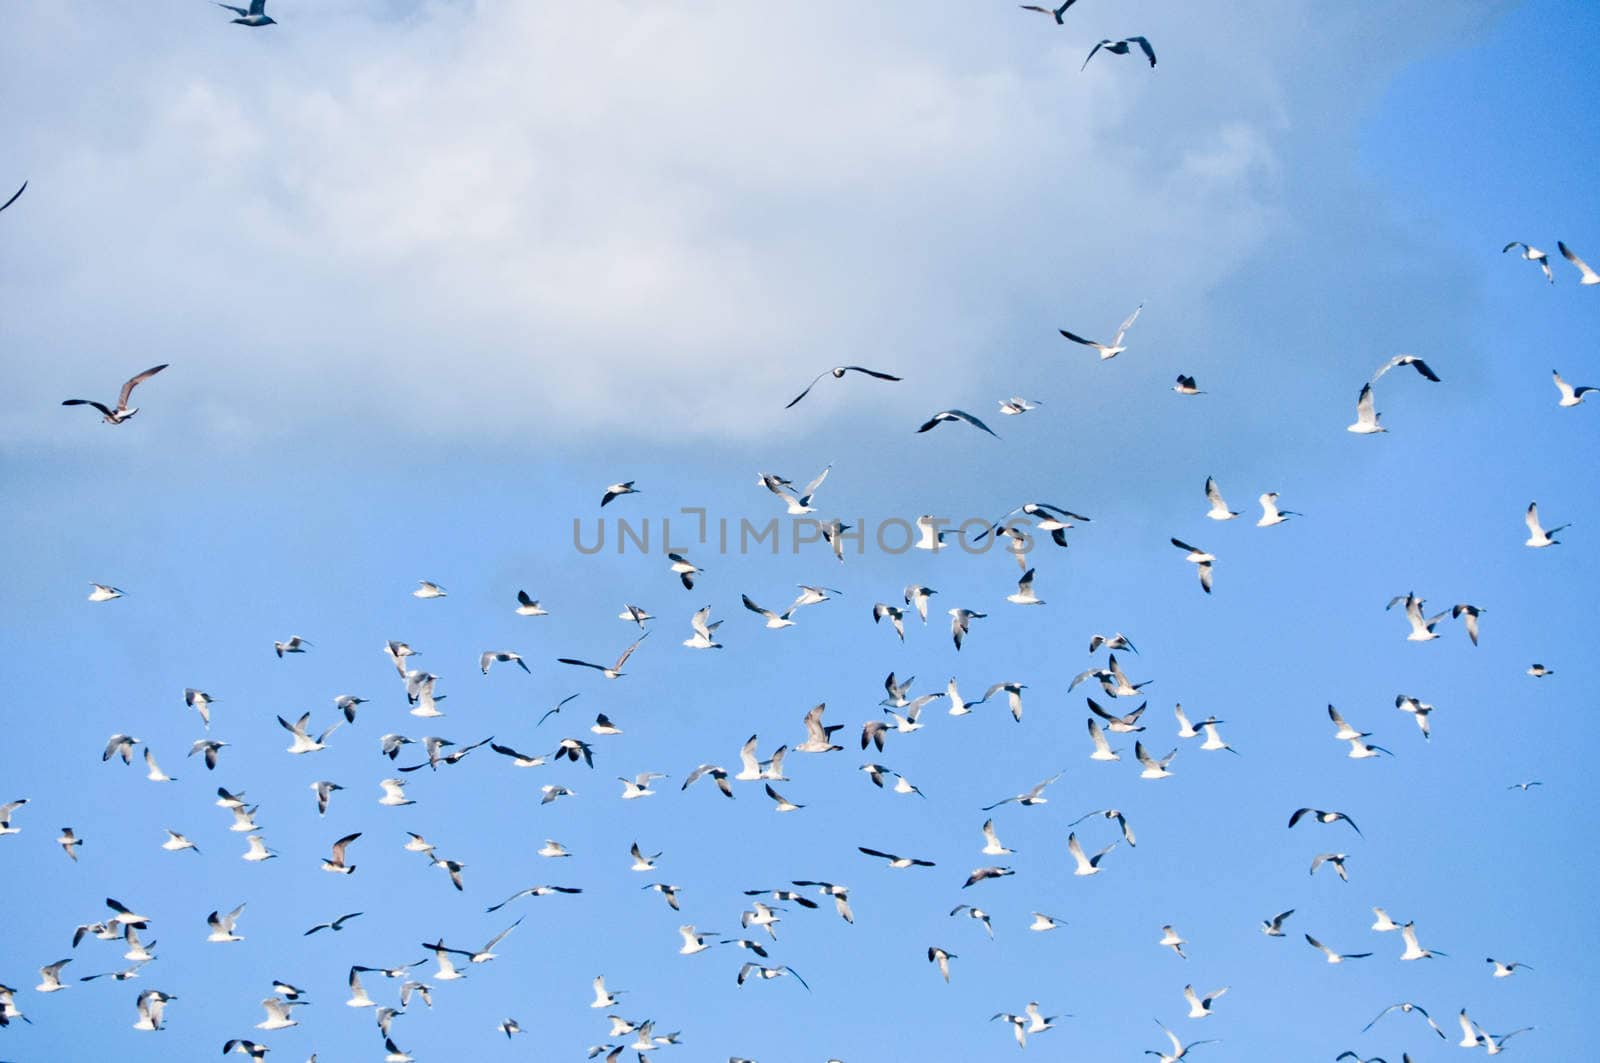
[(431, 275)]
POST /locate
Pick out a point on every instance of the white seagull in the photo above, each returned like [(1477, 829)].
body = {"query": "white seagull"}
[(1537, 536), (123, 410), (1533, 254), (1115, 347), (1366, 415)]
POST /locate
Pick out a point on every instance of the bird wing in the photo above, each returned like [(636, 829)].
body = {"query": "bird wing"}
[(18, 193), (1091, 55), (127, 389), (1122, 330), (871, 372), (1144, 45), (807, 391)]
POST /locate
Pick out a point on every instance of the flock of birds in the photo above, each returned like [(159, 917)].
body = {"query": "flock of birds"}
[(901, 716)]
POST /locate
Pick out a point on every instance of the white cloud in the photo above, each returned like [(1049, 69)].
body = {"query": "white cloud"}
[(670, 213)]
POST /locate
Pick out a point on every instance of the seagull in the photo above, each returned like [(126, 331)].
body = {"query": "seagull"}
[(774, 620), (1336, 859), (704, 637), (1016, 404), (1186, 386), (199, 701), (123, 410), (1418, 709), (324, 790), (1570, 396), (1506, 970), (895, 861), (296, 644), (1058, 12), (489, 657), (14, 197), (955, 415), (552, 711), (1422, 628), (617, 491), (1171, 939), (119, 745), (961, 620), (718, 775), (151, 1004), (1115, 347), (1589, 275), (942, 958), (642, 862), (1533, 254), (1219, 508), (1042, 922), (1539, 671), (176, 843), (685, 569), (103, 592), (796, 505), (1366, 415), (1128, 724), (769, 973), (1111, 814), (68, 841), (279, 1014), (1019, 1026), (1524, 786), (1087, 865), (1472, 613), (527, 606), (1035, 796), (155, 774), (394, 1053), (1024, 594), (840, 895), (51, 976), (1413, 950), (980, 874), (604, 727), (222, 925), (1335, 957), (992, 846), (336, 863), (258, 850), (1153, 768), (895, 614), (1119, 641), (639, 785), (1200, 559), (615, 670), (1405, 1007), (1200, 1007), (1273, 927), (694, 940), (394, 793), (1406, 359), (839, 371), (1271, 514), (1323, 817), (783, 804), (207, 746), (531, 891), (1179, 1049), (1537, 536), (1102, 747), (429, 589), (1360, 750), (916, 596), (304, 743), (256, 16)]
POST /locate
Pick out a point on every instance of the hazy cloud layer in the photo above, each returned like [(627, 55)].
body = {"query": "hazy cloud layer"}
[(667, 214)]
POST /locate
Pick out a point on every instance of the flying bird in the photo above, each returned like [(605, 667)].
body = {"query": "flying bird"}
[(1115, 347), (1366, 415), (1322, 817), (123, 410), (1186, 386), (1057, 12), (1570, 396), (1533, 254), (1589, 275), (955, 415), (1406, 359), (613, 672), (1122, 47), (429, 589), (1200, 559), (1537, 536), (255, 16), (1219, 507), (839, 371)]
